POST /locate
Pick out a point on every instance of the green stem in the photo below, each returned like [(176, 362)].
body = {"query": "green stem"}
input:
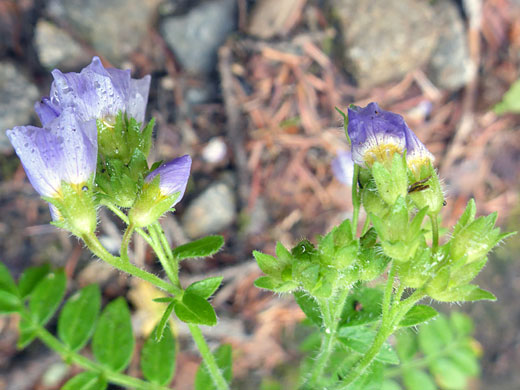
[(435, 233), (387, 297), (99, 250), (171, 267), (356, 201), (126, 241), (366, 226), (209, 360), (331, 314), (70, 356), (165, 244)]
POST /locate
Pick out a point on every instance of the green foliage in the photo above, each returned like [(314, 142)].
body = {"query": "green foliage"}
[(417, 315), (360, 339), (204, 247), (205, 288), (47, 296), (78, 317), (86, 381), (158, 356), (193, 309), (30, 278), (363, 306), (113, 341), (9, 294), (223, 356)]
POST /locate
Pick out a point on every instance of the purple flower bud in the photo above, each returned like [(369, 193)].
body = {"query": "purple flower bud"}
[(95, 93), (375, 134), (173, 176), (416, 153), (64, 150), (343, 167)]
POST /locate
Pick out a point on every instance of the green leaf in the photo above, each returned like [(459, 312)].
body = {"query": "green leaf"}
[(269, 283), (371, 379), (466, 360), (195, 310), (158, 357), (478, 294), (9, 303), (448, 375), (86, 381), (435, 335), (267, 263), (406, 346), (417, 315), (359, 339), (416, 379), (113, 341), (27, 334), (510, 101), (205, 288), (163, 322), (462, 324), (309, 306), (363, 306), (78, 317), (163, 299), (7, 283), (389, 384), (206, 246), (47, 296), (31, 277), (223, 356)]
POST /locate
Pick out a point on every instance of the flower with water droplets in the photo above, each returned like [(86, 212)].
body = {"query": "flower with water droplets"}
[(163, 189), (95, 93), (60, 162)]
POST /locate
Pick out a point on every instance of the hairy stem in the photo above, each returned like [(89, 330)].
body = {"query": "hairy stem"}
[(209, 360), (356, 201), (435, 233)]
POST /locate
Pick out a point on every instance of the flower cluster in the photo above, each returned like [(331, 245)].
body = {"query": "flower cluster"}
[(78, 137)]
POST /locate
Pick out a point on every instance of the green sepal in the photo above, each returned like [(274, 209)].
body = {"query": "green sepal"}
[(271, 284), (391, 182), (77, 208), (426, 190), (151, 204)]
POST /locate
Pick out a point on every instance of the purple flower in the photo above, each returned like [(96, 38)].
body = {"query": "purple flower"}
[(416, 153), (375, 134), (95, 93), (64, 150), (343, 167), (173, 177)]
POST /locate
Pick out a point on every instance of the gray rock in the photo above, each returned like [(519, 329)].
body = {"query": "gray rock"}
[(114, 28), (451, 66), (56, 49), (211, 212), (16, 101), (384, 39), (196, 36)]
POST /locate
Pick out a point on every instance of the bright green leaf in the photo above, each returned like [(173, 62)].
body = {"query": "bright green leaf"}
[(31, 277), (360, 339), (363, 306), (113, 341), (205, 288), (435, 336), (78, 317), (47, 296), (448, 375), (27, 334), (466, 360), (86, 381), (204, 247), (9, 303), (389, 384), (158, 357), (309, 306), (461, 323), (417, 315), (7, 283), (267, 263), (163, 299), (418, 380), (195, 310), (161, 326), (223, 356), (406, 346)]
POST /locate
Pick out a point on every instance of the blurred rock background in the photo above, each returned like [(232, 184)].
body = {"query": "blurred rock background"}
[(248, 89)]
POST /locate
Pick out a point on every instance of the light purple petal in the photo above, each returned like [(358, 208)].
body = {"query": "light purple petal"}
[(173, 176), (61, 151), (416, 152), (46, 111), (370, 128), (98, 93), (343, 167)]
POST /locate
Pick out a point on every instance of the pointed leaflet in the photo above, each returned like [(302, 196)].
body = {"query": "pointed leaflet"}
[(360, 339), (31, 277), (309, 306), (205, 288), (9, 301), (158, 357), (78, 317), (86, 381), (224, 360), (206, 246), (195, 310), (113, 341), (47, 296), (161, 326), (417, 315)]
